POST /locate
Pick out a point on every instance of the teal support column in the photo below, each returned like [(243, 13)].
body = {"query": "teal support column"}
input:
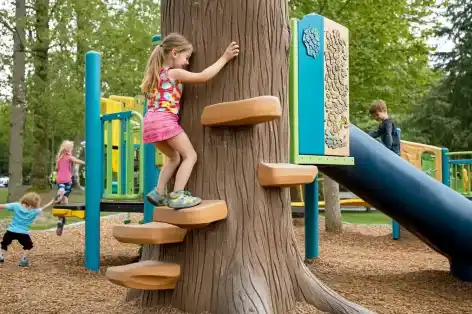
[(151, 172), (446, 177), (311, 221), (93, 160), (396, 225)]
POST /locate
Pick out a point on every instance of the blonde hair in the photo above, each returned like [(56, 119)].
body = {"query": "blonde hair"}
[(378, 106), (31, 199), (156, 60), (64, 150)]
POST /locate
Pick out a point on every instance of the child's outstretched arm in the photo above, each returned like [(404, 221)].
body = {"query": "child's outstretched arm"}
[(376, 133), (207, 74), (77, 161), (51, 202)]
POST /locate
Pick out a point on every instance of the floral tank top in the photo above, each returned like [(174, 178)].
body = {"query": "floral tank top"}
[(166, 97)]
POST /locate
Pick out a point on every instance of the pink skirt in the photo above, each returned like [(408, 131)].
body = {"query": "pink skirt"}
[(160, 126)]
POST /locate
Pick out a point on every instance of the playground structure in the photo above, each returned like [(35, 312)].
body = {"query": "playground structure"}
[(319, 53), (321, 135)]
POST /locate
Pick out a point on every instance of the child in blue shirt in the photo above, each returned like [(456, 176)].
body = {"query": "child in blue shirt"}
[(24, 213)]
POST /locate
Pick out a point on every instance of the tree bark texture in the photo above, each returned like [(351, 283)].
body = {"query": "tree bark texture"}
[(333, 222), (17, 120), (39, 96), (250, 262)]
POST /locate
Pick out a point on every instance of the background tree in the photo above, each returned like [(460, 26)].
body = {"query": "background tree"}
[(333, 219), (121, 29), (15, 117), (443, 117)]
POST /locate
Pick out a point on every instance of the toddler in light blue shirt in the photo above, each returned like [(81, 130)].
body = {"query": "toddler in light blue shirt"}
[(24, 213)]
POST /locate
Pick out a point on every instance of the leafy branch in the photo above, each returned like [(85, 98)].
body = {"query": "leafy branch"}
[(12, 29)]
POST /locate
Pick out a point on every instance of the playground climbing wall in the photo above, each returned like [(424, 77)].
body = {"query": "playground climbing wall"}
[(336, 115), (319, 113)]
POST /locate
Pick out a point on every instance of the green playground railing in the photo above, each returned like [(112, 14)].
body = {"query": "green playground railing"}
[(460, 167), (125, 177)]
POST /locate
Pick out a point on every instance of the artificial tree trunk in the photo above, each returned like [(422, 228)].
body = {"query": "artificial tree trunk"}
[(250, 262)]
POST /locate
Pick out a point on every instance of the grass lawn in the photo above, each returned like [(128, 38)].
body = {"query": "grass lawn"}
[(46, 220), (366, 218)]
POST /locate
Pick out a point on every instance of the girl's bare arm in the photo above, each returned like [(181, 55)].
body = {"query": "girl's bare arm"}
[(48, 204), (77, 161), (207, 74)]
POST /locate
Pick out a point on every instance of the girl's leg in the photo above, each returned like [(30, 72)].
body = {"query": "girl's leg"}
[(169, 168), (59, 200), (183, 146), (65, 191), (157, 197), (178, 198)]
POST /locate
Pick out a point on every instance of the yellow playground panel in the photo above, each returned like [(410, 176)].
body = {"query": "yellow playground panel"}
[(352, 202), (414, 152), (115, 104), (59, 212), (112, 106)]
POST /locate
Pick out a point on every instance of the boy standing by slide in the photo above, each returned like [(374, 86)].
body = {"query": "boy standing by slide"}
[(387, 130)]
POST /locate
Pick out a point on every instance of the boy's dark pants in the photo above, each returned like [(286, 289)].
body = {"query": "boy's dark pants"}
[(22, 238)]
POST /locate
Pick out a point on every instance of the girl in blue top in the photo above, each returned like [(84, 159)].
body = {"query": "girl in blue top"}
[(24, 213)]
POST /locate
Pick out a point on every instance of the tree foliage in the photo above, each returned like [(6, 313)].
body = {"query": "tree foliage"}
[(387, 47), (443, 117), (119, 29), (388, 60)]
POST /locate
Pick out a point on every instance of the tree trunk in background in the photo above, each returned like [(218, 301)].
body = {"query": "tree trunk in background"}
[(39, 96), (333, 219), (17, 122), (250, 262), (81, 20)]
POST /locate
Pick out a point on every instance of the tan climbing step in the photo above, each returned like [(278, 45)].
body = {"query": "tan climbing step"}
[(150, 233), (194, 217), (145, 275), (243, 112), (285, 175)]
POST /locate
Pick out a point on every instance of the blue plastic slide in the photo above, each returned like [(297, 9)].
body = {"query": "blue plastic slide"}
[(436, 214)]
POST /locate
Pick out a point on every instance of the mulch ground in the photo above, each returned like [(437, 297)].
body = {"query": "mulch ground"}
[(363, 264)]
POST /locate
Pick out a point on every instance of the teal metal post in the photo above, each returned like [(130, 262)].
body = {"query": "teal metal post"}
[(150, 176), (396, 225), (446, 179), (124, 161), (93, 160), (151, 172), (311, 220), (395, 230)]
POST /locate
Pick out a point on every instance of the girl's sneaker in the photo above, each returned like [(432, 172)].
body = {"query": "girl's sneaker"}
[(156, 199), (182, 199), (23, 262), (60, 225)]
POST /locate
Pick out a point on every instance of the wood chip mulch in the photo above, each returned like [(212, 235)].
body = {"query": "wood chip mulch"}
[(363, 264)]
